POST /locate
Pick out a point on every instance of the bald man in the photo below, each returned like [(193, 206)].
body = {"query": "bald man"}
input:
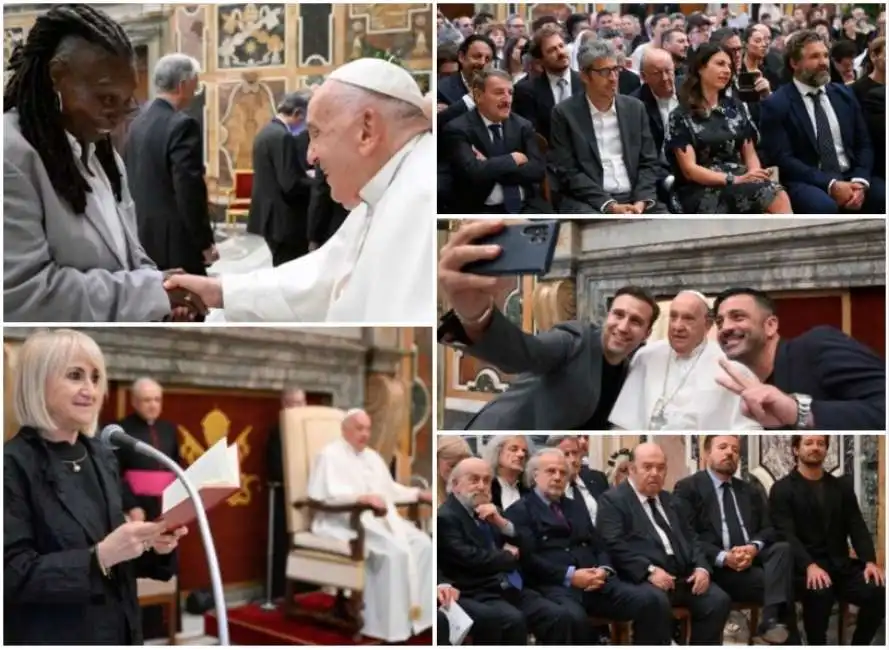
[(652, 544), (370, 130), (658, 91), (398, 584), (671, 385)]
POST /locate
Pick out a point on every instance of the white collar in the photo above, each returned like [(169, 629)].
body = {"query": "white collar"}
[(595, 111), (555, 78), (642, 498), (487, 121), (805, 89), (373, 192), (699, 349)]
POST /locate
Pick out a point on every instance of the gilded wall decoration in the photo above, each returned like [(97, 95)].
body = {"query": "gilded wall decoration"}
[(401, 29), (216, 426), (245, 108), (315, 34), (251, 35), (191, 32)]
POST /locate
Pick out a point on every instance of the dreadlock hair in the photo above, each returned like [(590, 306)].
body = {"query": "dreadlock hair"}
[(30, 90)]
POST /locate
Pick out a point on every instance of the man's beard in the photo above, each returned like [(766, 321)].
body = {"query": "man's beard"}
[(816, 78)]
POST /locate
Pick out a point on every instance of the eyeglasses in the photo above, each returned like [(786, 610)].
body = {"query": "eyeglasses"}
[(605, 72)]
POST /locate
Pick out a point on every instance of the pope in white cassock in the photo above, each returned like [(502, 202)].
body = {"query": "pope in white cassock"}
[(671, 385), (398, 593), (370, 130)]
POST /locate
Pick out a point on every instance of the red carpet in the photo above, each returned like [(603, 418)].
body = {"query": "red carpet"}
[(249, 625)]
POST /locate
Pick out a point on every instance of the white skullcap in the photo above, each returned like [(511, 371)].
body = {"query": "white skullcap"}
[(382, 77), (696, 293)]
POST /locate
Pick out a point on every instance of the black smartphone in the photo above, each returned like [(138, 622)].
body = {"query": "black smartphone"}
[(746, 80), (525, 249)]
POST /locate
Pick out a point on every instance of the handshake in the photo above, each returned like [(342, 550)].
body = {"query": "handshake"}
[(191, 296)]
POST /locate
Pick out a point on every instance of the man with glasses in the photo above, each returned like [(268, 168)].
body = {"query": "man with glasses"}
[(602, 150)]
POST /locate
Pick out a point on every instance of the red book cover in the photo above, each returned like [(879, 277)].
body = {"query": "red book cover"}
[(184, 513), (147, 482)]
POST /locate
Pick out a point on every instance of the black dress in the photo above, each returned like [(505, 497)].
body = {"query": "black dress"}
[(717, 139), (61, 500)]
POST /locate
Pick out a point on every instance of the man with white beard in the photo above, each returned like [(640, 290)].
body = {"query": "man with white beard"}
[(672, 384), (370, 130), (398, 590)]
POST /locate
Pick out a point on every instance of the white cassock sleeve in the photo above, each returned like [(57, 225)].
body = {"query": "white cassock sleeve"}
[(396, 492), (300, 290), (326, 483), (628, 412)]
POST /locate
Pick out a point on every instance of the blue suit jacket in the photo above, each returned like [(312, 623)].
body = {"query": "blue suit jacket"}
[(789, 139)]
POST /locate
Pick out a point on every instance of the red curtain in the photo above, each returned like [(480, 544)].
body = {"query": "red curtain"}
[(800, 314), (869, 318)]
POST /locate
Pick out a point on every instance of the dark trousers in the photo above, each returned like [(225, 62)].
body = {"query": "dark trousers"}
[(568, 205), (619, 601), (847, 585), (809, 199), (442, 629), (508, 617), (709, 610), (283, 252)]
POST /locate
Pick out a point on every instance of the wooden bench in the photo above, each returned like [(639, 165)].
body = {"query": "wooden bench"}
[(620, 630), (154, 592)]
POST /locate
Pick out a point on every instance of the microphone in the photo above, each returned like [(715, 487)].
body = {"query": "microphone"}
[(114, 436)]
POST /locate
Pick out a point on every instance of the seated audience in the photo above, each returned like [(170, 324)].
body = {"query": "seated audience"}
[(601, 148), (493, 154), (536, 95), (842, 62), (454, 91), (565, 559), (475, 553), (449, 451), (711, 145), (582, 482), (507, 456), (512, 58), (651, 544), (870, 89), (815, 132), (676, 45), (731, 519), (657, 92), (818, 514), (618, 467)]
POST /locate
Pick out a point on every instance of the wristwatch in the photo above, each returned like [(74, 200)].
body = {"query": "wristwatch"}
[(650, 569), (803, 410), (729, 179)]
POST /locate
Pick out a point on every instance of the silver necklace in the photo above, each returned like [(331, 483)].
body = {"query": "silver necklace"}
[(75, 464), (658, 419)]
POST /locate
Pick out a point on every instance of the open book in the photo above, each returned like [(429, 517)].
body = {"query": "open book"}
[(216, 475)]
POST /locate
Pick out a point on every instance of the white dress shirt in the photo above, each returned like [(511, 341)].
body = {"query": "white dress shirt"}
[(668, 547), (509, 493), (615, 178), (558, 93), (804, 90), (579, 487), (665, 107)]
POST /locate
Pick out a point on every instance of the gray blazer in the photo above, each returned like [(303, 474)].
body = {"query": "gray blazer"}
[(60, 266), (560, 384), (574, 153)]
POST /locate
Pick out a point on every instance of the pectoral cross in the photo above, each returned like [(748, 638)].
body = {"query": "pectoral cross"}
[(658, 419)]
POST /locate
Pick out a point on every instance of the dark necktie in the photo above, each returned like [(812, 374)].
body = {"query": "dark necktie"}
[(512, 196), (732, 520), (826, 146), (664, 526), (514, 578)]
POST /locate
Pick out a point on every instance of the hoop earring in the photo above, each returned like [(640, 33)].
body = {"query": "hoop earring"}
[(59, 100)]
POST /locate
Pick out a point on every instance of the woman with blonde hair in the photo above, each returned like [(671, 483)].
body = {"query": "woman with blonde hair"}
[(70, 557), (451, 450)]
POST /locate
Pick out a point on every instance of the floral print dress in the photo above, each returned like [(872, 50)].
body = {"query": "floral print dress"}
[(717, 139)]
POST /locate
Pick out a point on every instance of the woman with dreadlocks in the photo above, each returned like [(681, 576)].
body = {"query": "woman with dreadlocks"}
[(71, 249)]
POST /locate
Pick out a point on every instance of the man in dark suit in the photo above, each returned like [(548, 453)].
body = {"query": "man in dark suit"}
[(325, 215), (731, 520), (652, 544), (535, 96), (474, 554), (164, 158), (454, 93), (582, 484), (493, 154), (281, 183), (570, 376), (601, 148), (564, 557), (815, 132), (819, 514), (821, 380), (657, 92)]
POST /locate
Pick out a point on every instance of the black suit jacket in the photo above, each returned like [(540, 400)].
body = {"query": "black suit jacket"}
[(789, 138), (548, 546), (820, 535), (451, 90), (533, 99), (325, 216), (846, 380), (53, 590), (281, 187), (628, 82), (476, 178), (576, 159), (497, 491), (561, 373), (633, 541), (596, 482), (655, 123), (701, 502), (464, 555), (164, 158)]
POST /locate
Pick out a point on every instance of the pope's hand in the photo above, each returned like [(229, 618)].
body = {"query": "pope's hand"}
[(209, 290), (468, 294)]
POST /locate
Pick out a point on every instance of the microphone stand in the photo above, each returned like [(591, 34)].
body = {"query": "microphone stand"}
[(269, 605), (206, 536)]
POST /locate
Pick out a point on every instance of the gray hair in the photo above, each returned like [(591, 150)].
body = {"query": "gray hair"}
[(593, 51), (534, 463), (137, 385), (491, 451), (480, 79), (173, 70), (554, 441)]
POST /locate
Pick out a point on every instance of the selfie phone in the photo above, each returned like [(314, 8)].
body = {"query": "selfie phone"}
[(525, 249)]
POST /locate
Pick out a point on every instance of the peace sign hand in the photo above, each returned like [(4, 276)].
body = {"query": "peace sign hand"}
[(769, 406)]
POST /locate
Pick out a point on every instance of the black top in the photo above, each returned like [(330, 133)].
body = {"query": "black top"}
[(612, 382)]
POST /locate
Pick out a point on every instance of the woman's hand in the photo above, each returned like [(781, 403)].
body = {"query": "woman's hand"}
[(754, 176), (127, 542), (166, 544)]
